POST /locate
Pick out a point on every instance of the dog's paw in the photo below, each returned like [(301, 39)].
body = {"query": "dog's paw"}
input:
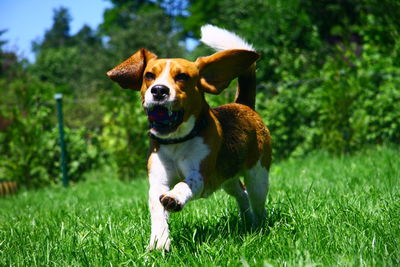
[(163, 245), (259, 221), (170, 203)]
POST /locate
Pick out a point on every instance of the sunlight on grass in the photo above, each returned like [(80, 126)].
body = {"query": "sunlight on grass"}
[(322, 210)]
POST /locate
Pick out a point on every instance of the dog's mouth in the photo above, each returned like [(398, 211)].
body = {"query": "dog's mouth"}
[(164, 120)]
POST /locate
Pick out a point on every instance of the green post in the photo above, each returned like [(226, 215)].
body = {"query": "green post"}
[(64, 171)]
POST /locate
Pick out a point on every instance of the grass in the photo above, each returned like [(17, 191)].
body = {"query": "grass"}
[(322, 210)]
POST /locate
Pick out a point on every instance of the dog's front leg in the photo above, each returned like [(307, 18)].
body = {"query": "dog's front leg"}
[(158, 179), (189, 188)]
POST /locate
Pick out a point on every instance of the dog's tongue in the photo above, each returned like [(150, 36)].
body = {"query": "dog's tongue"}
[(162, 120), (159, 115)]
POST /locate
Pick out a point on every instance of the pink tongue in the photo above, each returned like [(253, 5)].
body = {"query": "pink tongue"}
[(158, 115)]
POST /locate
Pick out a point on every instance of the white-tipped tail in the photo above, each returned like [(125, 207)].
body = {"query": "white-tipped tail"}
[(221, 39)]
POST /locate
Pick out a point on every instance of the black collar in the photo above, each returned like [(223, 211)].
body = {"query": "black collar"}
[(200, 125)]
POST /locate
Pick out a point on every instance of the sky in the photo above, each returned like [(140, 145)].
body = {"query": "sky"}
[(27, 20)]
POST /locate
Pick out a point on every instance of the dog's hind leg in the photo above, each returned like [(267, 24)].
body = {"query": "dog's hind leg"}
[(256, 181), (235, 188)]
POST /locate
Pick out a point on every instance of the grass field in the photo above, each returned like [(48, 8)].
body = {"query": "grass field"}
[(322, 210)]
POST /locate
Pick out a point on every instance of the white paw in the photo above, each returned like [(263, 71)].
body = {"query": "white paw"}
[(159, 244)]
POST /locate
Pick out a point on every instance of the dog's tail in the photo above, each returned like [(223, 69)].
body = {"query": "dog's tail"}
[(221, 39)]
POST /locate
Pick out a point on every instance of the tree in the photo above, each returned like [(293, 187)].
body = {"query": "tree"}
[(10, 64), (86, 36), (153, 30), (123, 12), (59, 34)]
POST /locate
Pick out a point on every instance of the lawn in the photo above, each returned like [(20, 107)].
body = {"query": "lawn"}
[(322, 210)]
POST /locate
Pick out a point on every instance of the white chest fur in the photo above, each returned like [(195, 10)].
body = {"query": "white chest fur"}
[(182, 159)]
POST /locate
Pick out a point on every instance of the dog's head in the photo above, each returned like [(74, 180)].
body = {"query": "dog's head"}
[(172, 90)]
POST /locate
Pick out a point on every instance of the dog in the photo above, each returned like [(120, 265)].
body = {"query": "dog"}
[(196, 149)]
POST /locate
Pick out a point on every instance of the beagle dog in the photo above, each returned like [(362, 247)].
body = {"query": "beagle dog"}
[(196, 149)]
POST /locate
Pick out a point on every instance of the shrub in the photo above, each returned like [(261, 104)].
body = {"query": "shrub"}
[(29, 152), (124, 135), (349, 103)]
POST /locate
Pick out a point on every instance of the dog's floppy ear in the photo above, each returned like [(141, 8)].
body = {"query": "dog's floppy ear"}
[(129, 74), (217, 70)]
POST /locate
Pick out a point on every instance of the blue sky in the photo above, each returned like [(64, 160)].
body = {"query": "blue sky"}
[(27, 20)]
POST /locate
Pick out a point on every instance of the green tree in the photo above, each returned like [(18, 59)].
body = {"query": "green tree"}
[(74, 63), (59, 34), (120, 15)]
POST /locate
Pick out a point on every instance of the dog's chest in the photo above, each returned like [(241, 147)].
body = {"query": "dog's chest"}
[(181, 159)]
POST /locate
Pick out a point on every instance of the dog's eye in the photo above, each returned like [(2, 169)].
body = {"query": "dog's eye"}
[(182, 77), (149, 76)]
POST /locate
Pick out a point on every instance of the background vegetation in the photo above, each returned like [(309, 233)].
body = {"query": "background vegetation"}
[(328, 80)]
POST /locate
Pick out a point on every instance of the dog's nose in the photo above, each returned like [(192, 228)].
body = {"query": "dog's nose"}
[(160, 92)]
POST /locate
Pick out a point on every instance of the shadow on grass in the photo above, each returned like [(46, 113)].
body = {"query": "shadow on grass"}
[(188, 235)]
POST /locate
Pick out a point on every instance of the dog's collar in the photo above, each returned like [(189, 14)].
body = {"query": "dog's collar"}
[(200, 125)]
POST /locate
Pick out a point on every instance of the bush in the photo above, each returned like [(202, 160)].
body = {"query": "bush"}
[(124, 133), (30, 153), (349, 103)]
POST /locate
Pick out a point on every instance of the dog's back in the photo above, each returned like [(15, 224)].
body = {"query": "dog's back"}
[(246, 139)]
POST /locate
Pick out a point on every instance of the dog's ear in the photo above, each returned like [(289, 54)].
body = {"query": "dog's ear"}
[(129, 74), (219, 69)]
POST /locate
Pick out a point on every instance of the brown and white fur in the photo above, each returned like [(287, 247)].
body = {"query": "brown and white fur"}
[(202, 148)]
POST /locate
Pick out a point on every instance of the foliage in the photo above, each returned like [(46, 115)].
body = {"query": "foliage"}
[(284, 29), (322, 210), (152, 30), (121, 14), (351, 105), (29, 148), (323, 78), (50, 67), (124, 134), (29, 152), (63, 59), (298, 31)]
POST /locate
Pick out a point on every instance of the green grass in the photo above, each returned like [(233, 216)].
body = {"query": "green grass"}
[(322, 210)]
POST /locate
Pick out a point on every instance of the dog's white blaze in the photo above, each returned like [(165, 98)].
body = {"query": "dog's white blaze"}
[(161, 80), (183, 130)]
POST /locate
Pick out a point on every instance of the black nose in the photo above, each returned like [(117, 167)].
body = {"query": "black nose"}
[(160, 92)]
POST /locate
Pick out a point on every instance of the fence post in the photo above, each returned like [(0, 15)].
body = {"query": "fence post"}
[(64, 171)]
